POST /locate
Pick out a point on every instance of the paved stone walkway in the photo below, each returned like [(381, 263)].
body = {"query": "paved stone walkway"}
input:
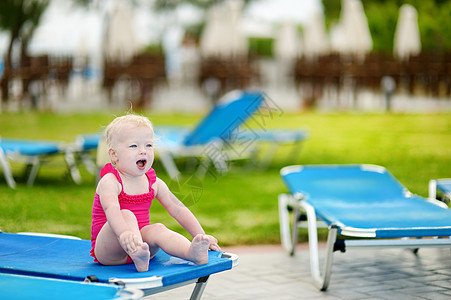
[(267, 272)]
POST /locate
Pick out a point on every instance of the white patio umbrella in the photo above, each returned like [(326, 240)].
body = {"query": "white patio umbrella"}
[(287, 45), (120, 43), (407, 34), (223, 35), (210, 44), (352, 35), (81, 54), (315, 38)]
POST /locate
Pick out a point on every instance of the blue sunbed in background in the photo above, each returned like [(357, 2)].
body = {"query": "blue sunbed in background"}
[(33, 153)]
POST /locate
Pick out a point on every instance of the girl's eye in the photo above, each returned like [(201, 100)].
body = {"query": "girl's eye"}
[(149, 145), (133, 146)]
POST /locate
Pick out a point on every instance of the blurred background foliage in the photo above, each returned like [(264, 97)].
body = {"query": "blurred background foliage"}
[(21, 17), (433, 19)]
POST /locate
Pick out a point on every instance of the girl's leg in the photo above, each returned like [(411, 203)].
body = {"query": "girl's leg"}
[(159, 236), (108, 251)]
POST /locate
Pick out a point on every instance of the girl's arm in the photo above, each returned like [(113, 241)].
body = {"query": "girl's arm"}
[(181, 213), (108, 190)]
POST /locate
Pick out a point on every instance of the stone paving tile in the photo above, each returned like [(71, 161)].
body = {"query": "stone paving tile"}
[(269, 273)]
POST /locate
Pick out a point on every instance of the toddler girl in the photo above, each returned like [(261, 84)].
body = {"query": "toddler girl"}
[(121, 231)]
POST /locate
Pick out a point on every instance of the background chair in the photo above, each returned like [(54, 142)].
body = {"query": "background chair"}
[(33, 153), (213, 139)]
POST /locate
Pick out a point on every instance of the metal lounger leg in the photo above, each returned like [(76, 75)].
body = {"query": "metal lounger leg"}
[(432, 189), (284, 222), (35, 164), (289, 236), (72, 165), (294, 229), (320, 281), (295, 150), (169, 164), (6, 169), (269, 155), (203, 166), (216, 153), (199, 288)]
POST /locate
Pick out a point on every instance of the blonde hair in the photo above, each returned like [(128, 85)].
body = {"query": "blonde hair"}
[(120, 122)]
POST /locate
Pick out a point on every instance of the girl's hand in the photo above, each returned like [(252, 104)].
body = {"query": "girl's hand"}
[(213, 243), (129, 241)]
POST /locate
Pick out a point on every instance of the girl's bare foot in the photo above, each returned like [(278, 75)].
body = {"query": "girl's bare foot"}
[(141, 257), (198, 251)]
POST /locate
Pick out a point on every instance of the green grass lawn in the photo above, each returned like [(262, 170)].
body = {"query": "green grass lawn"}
[(241, 206)]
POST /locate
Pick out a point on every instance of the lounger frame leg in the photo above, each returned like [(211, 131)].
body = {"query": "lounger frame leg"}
[(169, 164), (203, 166), (284, 222), (34, 165), (321, 281), (432, 189), (6, 170), (289, 234), (216, 153), (295, 150), (72, 166), (294, 229), (199, 288), (268, 155)]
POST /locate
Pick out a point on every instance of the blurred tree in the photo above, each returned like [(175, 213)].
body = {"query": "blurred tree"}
[(382, 20), (195, 29), (19, 18), (433, 19)]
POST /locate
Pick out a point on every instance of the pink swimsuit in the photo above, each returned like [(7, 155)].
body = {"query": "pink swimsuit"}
[(138, 204)]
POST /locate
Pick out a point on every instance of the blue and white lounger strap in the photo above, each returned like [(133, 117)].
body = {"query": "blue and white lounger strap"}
[(362, 202), (69, 259)]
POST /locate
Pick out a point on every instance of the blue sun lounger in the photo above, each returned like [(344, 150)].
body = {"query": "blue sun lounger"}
[(33, 153), (209, 138), (440, 189), (69, 259), (363, 206), (19, 287)]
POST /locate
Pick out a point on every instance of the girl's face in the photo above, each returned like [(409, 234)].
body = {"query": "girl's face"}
[(132, 152)]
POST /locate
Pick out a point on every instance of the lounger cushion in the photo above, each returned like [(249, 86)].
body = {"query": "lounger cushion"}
[(70, 259), (29, 147)]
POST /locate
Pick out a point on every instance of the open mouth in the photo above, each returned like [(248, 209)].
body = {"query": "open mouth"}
[(141, 163)]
